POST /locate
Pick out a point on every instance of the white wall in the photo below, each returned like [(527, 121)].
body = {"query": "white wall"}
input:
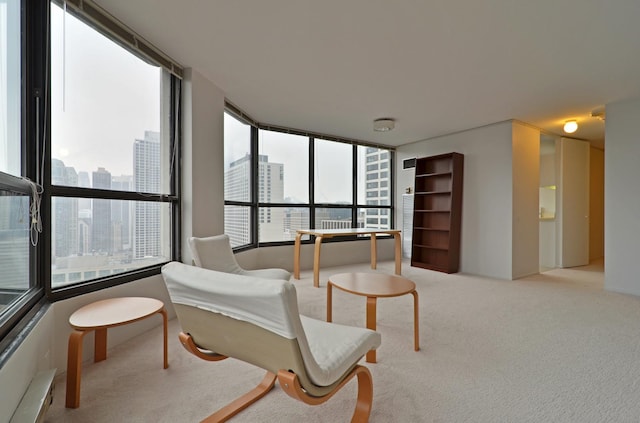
[(526, 198), (622, 197), (332, 254), (486, 247), (33, 355), (202, 159)]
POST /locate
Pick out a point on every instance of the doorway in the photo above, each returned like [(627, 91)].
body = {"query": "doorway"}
[(547, 203)]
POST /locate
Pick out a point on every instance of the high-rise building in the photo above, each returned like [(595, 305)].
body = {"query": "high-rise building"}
[(377, 189), (147, 228), (64, 212), (271, 220), (101, 214), (122, 214), (14, 242), (270, 190), (84, 181)]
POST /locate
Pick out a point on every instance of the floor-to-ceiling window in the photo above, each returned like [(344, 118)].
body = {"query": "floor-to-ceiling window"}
[(112, 167), (283, 185), (278, 181)]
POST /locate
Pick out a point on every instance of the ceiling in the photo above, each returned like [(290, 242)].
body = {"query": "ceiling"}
[(435, 66)]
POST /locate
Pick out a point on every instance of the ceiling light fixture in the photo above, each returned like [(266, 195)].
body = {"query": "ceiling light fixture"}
[(383, 124), (599, 113), (570, 126)]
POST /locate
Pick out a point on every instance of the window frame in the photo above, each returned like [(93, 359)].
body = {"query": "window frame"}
[(33, 28), (93, 16), (255, 205)]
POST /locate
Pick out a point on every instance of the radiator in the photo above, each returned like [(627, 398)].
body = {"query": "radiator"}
[(407, 224), (36, 400)]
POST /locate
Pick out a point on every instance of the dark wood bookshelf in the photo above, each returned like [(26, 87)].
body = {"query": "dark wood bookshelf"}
[(437, 212)]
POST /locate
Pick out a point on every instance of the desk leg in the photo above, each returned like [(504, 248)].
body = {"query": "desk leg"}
[(296, 257), (329, 301), (398, 253), (165, 332), (374, 251), (74, 368), (316, 262), (100, 345), (371, 324), (416, 330)]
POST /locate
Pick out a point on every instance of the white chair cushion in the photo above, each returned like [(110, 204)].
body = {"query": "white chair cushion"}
[(336, 348), (247, 298), (215, 253), (268, 273)]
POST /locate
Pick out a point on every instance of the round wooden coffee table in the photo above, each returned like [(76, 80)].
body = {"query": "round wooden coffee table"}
[(99, 316), (374, 286)]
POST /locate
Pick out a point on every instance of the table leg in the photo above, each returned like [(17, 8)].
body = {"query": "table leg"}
[(100, 345), (371, 324), (296, 257), (374, 251), (398, 248), (74, 368), (316, 262), (165, 333), (416, 330), (329, 301)]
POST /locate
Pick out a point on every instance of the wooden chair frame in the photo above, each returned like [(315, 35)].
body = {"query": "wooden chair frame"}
[(290, 383)]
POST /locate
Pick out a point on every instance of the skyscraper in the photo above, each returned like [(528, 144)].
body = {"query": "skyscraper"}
[(146, 178), (271, 220), (64, 212), (122, 214), (101, 214), (377, 190)]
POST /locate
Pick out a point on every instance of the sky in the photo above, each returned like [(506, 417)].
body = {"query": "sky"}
[(102, 98)]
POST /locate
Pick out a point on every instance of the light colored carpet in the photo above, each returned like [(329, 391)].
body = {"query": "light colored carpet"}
[(553, 347)]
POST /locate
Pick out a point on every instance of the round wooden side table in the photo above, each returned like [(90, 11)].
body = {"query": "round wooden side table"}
[(374, 286), (98, 317)]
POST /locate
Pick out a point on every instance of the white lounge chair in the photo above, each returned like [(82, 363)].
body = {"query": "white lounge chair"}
[(215, 253), (256, 320)]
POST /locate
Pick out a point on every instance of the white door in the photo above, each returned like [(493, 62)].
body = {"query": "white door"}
[(574, 197)]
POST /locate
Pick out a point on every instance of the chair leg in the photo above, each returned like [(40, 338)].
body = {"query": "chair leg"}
[(187, 342), (291, 385), (239, 404)]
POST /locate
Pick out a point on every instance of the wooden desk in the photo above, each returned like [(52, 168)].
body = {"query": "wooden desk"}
[(98, 317), (374, 286), (321, 234)]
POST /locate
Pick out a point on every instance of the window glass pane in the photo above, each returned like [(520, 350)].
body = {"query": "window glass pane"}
[(110, 237), (281, 223), (374, 218), (283, 175), (14, 246), (333, 172), (372, 184), (237, 159), (10, 87), (106, 111), (333, 218), (237, 224)]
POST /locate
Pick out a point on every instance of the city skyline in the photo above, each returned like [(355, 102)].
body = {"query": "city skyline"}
[(98, 237), (276, 224)]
